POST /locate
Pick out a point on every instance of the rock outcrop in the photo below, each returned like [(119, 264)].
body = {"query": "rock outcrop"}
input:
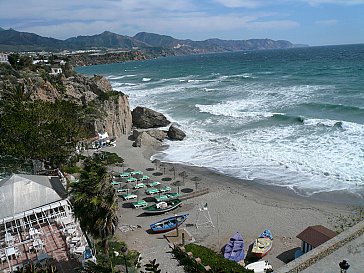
[(113, 113), (175, 133), (145, 118), (144, 139), (117, 116)]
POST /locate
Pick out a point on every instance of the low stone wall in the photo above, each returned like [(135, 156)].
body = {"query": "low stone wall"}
[(323, 250)]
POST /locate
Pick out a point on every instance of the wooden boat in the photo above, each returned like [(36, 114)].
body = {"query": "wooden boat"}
[(168, 224), (162, 207), (234, 249), (262, 245)]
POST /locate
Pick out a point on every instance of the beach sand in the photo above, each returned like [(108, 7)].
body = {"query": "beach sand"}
[(234, 205)]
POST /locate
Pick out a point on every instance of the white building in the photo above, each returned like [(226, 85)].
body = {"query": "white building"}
[(4, 58)]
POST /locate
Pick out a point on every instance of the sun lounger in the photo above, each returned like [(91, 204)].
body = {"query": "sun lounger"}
[(140, 204), (165, 189), (121, 190), (161, 198), (145, 177), (153, 184), (139, 186), (152, 191), (125, 174), (131, 179), (136, 172), (172, 195), (129, 196), (115, 183)]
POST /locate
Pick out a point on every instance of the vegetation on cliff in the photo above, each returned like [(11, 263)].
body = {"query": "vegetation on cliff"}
[(44, 115)]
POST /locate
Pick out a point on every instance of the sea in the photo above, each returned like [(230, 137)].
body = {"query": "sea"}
[(291, 118)]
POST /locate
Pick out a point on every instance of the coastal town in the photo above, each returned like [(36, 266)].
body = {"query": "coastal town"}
[(100, 197)]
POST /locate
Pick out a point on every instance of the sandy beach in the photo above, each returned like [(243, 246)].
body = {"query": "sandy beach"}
[(234, 205)]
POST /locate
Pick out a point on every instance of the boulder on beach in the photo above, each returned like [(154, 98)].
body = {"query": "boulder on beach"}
[(156, 133), (145, 118), (144, 139), (175, 133)]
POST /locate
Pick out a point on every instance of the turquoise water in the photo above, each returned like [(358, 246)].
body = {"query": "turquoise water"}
[(292, 118)]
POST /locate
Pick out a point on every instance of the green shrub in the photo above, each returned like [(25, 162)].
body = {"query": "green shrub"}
[(217, 262)]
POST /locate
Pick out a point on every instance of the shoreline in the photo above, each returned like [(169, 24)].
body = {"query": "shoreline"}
[(234, 205), (340, 197)]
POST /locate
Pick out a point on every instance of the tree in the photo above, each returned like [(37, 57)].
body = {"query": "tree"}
[(39, 130), (95, 202)]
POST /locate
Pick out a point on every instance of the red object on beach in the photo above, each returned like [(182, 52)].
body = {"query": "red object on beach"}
[(262, 245)]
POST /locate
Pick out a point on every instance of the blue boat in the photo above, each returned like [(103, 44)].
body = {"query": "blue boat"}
[(234, 250), (168, 224)]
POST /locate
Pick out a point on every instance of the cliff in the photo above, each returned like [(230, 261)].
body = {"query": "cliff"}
[(107, 110)]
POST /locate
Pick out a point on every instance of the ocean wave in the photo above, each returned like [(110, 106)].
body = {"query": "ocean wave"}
[(334, 107), (232, 109), (284, 117), (146, 79), (112, 77)]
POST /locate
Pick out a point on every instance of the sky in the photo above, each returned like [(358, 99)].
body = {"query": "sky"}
[(313, 22)]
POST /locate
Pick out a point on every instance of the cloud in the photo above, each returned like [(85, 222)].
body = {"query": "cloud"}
[(329, 22), (239, 3), (63, 19), (335, 2)]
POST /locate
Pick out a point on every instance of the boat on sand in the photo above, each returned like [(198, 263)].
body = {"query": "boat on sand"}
[(168, 224), (263, 244), (234, 249), (163, 207), (259, 267)]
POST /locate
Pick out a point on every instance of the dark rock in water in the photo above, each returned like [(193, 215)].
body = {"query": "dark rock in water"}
[(175, 133), (147, 118)]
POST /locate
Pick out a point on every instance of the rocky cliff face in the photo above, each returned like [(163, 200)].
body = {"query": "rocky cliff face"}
[(113, 113), (117, 116)]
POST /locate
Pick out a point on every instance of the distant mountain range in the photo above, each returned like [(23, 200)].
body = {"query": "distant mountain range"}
[(12, 40)]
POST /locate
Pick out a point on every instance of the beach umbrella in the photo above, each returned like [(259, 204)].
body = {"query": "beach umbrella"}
[(178, 183), (138, 192), (156, 161), (183, 175), (173, 169), (163, 166), (196, 179), (127, 187), (159, 187)]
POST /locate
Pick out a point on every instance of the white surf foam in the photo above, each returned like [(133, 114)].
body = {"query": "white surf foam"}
[(146, 79)]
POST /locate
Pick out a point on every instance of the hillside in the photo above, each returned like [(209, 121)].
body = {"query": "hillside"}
[(12, 40)]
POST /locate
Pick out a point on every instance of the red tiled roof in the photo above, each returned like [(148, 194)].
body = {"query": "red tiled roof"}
[(316, 235)]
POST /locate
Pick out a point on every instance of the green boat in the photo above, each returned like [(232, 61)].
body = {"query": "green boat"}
[(163, 207)]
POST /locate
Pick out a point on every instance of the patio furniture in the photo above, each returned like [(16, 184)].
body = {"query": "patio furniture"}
[(136, 172), (139, 186), (9, 239), (115, 183), (125, 174), (152, 191), (139, 204), (165, 189), (129, 196), (131, 179), (172, 195), (145, 177), (10, 251), (153, 184), (121, 190)]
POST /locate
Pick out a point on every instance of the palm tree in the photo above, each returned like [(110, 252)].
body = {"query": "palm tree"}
[(95, 202)]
